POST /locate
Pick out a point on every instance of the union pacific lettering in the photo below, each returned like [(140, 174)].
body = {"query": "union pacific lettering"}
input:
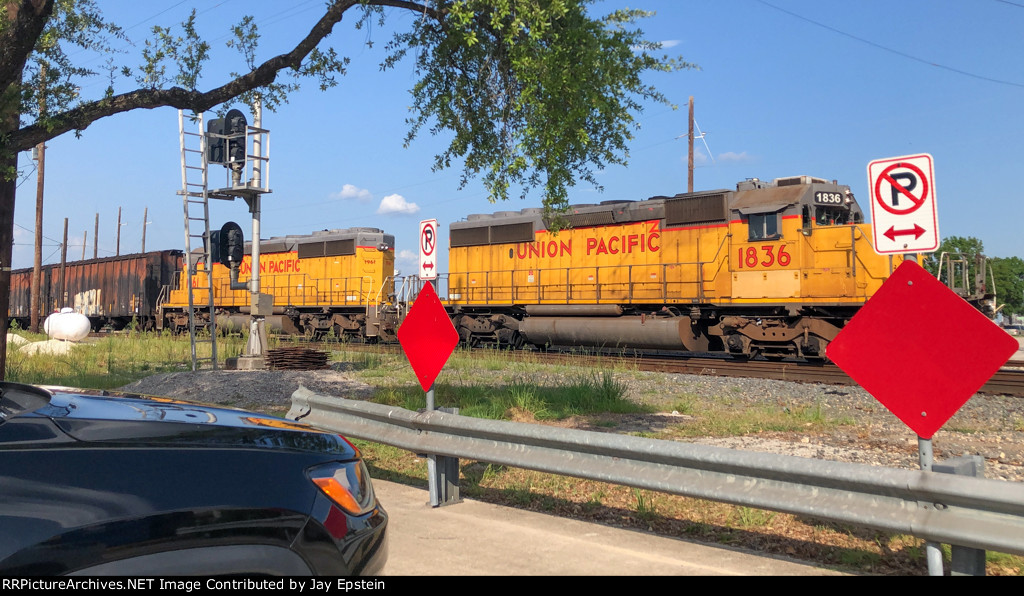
[(596, 243), (549, 248), (270, 264), (624, 244)]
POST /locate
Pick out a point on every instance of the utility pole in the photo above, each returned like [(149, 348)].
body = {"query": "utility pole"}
[(96, 239), (145, 222), (37, 262), (117, 247), (689, 166), (61, 300), (85, 242), (35, 303)]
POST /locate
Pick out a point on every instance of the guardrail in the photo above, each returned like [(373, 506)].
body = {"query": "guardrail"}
[(943, 508)]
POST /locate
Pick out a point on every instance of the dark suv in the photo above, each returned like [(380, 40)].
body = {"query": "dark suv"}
[(96, 484)]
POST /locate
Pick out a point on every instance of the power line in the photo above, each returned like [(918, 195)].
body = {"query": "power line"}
[(894, 51)]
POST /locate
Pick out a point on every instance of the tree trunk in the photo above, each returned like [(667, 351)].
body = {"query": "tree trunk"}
[(7, 192)]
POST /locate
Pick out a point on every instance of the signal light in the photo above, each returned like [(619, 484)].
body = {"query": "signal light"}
[(225, 140), (227, 245)]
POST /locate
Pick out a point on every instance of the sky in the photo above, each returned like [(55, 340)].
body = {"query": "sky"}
[(784, 88)]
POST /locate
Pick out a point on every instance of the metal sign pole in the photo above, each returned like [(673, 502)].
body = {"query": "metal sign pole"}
[(933, 553)]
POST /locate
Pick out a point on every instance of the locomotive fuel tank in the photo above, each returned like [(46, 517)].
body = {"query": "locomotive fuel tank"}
[(641, 332)]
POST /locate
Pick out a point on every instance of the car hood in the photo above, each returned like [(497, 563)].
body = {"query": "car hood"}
[(150, 420)]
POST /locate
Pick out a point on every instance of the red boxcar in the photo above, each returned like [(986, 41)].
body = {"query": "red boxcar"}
[(110, 291)]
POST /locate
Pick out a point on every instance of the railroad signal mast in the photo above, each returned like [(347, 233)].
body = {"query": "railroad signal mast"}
[(244, 151)]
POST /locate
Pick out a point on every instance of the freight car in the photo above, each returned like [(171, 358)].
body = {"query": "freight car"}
[(111, 291), (773, 268), (329, 282)]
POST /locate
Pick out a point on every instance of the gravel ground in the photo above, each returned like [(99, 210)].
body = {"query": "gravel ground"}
[(990, 426)]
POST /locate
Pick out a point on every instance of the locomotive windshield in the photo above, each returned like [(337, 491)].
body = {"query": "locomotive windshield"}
[(834, 208), (831, 216)]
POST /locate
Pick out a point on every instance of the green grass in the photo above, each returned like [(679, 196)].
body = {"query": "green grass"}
[(109, 362), (716, 420)]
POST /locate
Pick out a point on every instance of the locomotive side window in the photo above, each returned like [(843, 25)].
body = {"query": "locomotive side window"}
[(763, 226)]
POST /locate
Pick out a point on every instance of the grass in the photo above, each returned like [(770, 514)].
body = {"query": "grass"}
[(109, 362), (522, 398), (721, 419)]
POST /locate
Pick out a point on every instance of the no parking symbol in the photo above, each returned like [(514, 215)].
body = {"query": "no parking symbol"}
[(903, 209), (428, 249)]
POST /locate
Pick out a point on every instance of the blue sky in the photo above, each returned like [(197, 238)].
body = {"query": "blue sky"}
[(785, 87)]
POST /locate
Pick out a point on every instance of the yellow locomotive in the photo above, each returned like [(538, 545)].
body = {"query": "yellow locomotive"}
[(773, 268), (332, 281)]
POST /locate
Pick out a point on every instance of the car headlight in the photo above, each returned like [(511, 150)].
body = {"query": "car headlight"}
[(346, 484)]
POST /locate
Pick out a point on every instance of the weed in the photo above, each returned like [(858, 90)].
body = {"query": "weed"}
[(645, 509), (747, 517), (859, 558), (683, 406)]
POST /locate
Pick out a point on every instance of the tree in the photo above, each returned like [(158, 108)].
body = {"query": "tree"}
[(536, 94), (1009, 279)]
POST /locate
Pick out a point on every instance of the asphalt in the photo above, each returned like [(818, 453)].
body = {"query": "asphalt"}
[(476, 538)]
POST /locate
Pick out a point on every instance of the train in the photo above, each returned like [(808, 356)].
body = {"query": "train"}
[(772, 268)]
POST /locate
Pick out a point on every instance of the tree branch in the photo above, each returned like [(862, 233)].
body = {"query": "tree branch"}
[(82, 116)]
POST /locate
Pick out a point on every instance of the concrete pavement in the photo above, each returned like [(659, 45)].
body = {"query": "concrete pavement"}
[(475, 538)]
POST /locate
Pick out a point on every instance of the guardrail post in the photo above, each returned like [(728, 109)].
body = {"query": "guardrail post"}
[(443, 475), (965, 561)]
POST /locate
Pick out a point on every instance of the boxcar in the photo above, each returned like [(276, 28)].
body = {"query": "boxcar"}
[(111, 291)]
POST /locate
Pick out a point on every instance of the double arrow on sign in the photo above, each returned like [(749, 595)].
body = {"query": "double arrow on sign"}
[(892, 232)]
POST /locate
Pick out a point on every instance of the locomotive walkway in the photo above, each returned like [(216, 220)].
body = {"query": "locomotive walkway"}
[(476, 538)]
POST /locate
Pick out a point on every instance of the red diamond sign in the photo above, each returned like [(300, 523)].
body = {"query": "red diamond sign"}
[(427, 336), (919, 349)]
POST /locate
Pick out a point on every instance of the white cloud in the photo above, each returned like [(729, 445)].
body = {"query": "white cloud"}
[(734, 157), (699, 158), (396, 204), (350, 191), (670, 43), (407, 260)]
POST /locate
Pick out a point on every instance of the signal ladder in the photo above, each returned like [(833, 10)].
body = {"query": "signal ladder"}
[(195, 197)]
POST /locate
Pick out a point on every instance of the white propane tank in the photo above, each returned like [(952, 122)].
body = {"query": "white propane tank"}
[(67, 325)]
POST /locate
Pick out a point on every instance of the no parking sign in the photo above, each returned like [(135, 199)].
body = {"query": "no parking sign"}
[(428, 249), (904, 215)]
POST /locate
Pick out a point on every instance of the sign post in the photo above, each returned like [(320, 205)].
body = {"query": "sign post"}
[(911, 367), (428, 339)]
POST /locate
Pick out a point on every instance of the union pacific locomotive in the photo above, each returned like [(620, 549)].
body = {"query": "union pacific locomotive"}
[(774, 268), (333, 281)]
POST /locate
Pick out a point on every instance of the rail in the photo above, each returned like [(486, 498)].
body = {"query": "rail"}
[(942, 508)]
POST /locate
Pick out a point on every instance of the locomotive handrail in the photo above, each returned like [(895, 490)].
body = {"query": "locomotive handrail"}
[(943, 508), (516, 292)]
